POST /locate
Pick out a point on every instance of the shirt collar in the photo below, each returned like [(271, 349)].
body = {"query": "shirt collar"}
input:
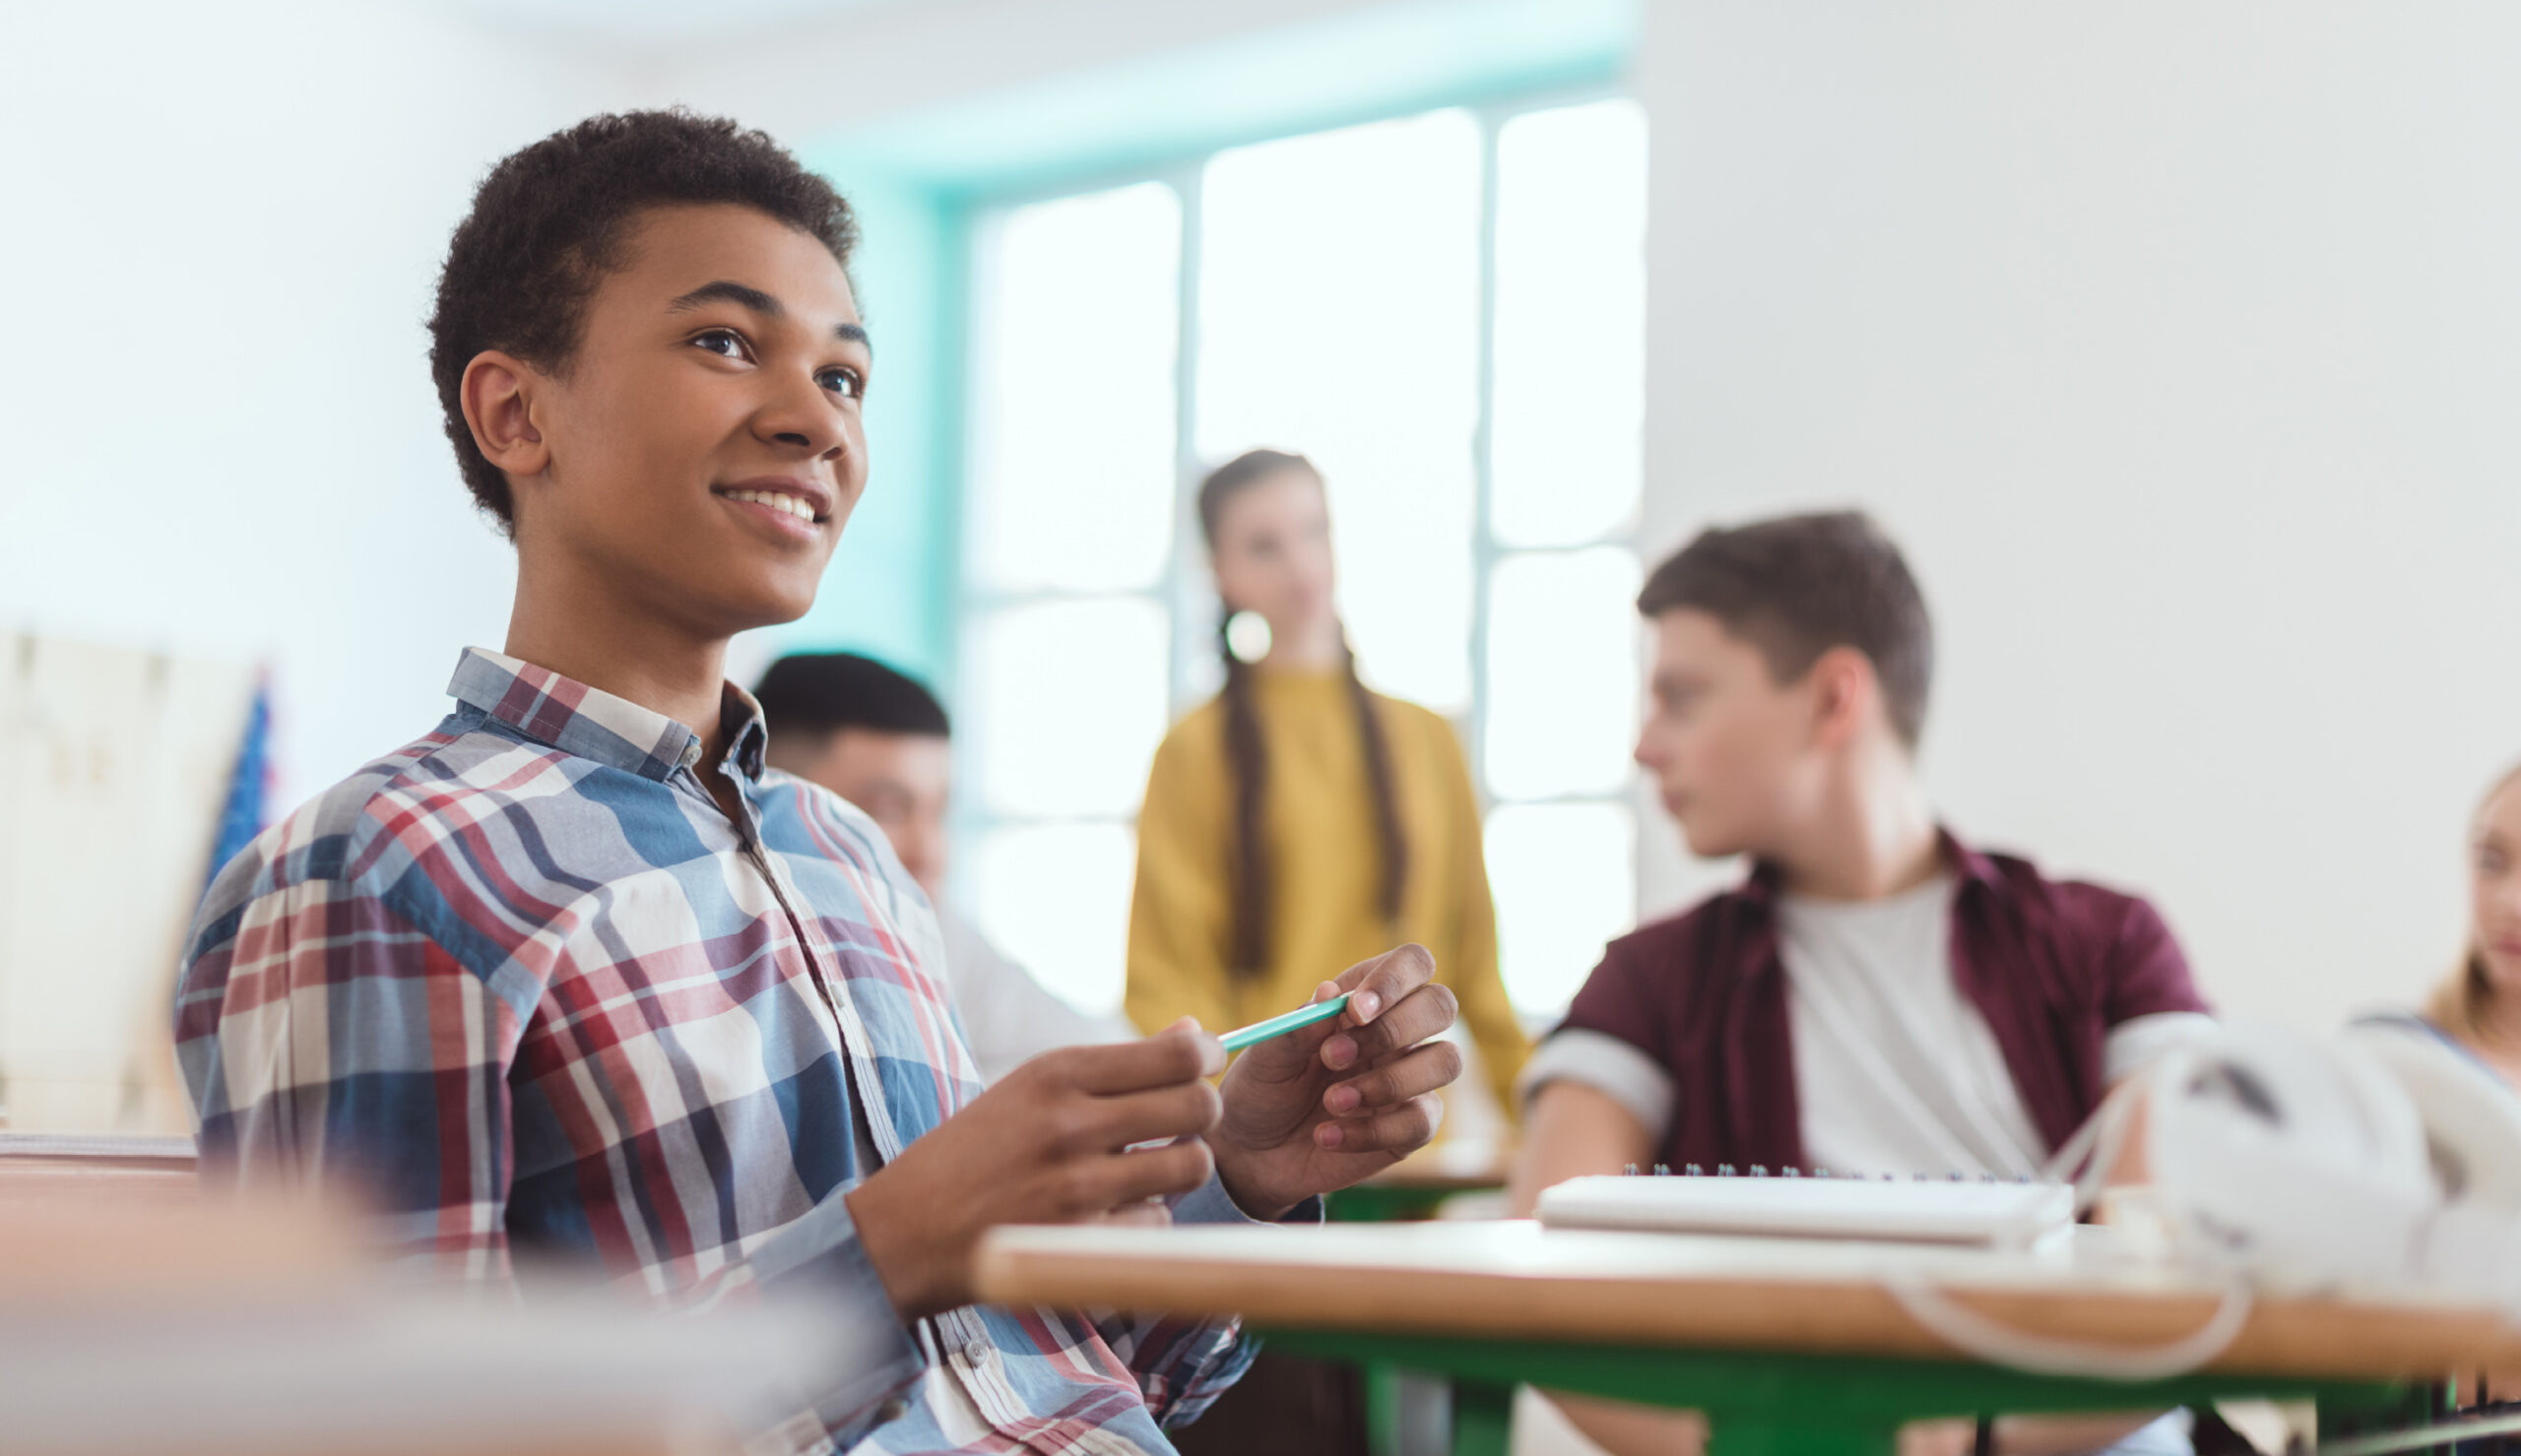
[(593, 724), (1967, 865)]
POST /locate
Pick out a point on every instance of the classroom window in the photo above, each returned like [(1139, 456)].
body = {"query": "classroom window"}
[(1445, 311)]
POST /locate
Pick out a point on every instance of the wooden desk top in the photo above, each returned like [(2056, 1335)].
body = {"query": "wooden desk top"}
[(1516, 1281)]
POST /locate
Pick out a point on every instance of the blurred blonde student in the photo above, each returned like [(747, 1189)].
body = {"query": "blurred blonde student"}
[(2477, 1006), (1299, 814), (1876, 996)]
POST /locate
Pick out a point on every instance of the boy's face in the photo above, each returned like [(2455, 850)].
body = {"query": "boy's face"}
[(705, 445), (1731, 748)]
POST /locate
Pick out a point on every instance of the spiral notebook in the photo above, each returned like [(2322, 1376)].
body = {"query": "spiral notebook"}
[(1982, 1213)]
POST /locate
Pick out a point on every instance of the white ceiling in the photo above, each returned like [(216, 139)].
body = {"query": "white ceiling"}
[(660, 24)]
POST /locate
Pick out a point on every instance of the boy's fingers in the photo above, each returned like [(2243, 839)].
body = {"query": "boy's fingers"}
[(1187, 1110), (1423, 1013), (1401, 1129), (1384, 980), (1127, 1178), (1415, 1073), (1137, 1215), (1176, 1054)]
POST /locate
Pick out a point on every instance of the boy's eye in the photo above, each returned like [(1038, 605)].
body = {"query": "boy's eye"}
[(722, 341), (843, 382)]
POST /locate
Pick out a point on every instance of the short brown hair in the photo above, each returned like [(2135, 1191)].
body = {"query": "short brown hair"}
[(1796, 586)]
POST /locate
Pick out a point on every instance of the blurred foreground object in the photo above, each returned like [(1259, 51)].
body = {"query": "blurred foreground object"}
[(140, 1316)]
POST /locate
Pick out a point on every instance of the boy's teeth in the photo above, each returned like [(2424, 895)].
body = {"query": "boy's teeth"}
[(793, 505)]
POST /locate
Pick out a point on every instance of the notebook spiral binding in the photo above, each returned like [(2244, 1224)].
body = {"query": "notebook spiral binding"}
[(1759, 1170)]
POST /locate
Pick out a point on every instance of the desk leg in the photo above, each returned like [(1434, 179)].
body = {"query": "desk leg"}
[(2360, 1412), (1383, 1406), (1483, 1418), (1768, 1435)]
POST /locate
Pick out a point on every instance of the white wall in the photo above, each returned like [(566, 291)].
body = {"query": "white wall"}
[(2180, 344), (224, 226), (2176, 340)]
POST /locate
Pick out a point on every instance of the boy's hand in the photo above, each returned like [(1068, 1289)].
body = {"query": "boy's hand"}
[(1328, 1105), (1043, 1146)]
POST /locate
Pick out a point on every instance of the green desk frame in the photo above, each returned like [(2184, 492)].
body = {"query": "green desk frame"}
[(1762, 1404), (1769, 1404), (1399, 1203), (1393, 1203)]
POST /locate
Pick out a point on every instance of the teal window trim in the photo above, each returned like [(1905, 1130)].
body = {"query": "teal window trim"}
[(922, 182)]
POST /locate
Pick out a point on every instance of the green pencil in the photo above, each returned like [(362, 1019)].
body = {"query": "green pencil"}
[(1279, 1026)]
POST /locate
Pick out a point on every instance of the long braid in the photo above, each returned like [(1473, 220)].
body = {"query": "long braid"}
[(1387, 789), (1249, 766)]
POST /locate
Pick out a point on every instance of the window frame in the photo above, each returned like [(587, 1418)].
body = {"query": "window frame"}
[(1183, 590)]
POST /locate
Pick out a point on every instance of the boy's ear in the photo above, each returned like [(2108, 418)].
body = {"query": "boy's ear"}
[(1846, 696), (498, 396)]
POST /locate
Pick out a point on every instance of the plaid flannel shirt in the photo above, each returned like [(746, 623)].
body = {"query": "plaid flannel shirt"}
[(526, 986)]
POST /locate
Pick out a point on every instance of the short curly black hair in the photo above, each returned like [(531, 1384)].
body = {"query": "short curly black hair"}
[(551, 220)]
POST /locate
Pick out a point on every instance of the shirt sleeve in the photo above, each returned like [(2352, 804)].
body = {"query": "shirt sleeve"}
[(1613, 1041), (1179, 910), (1608, 1065), (2147, 974), (1619, 1001), (2138, 1040), (327, 1039)]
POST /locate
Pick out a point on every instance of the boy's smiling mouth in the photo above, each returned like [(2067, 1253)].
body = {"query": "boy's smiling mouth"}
[(795, 506)]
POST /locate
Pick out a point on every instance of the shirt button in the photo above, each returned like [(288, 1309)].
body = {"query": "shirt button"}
[(892, 1411), (977, 1353)]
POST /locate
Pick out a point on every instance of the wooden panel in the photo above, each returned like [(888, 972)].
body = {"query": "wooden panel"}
[(113, 767), (1515, 1281)]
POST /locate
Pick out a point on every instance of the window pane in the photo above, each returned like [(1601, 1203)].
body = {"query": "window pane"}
[(1570, 401), (1056, 898), (1565, 878), (1074, 349), (1339, 317), (1563, 669), (1067, 704)]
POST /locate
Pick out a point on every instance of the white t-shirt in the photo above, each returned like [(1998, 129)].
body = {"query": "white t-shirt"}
[(1895, 1069), (1009, 1017)]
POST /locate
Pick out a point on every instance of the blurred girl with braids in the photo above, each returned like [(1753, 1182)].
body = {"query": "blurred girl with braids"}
[(1299, 818)]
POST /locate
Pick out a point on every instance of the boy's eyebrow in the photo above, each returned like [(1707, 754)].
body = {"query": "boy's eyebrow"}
[(744, 295)]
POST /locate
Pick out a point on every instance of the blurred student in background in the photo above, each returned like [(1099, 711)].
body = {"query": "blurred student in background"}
[(2479, 1005), (1294, 816), (879, 739), (1298, 814), (1877, 997)]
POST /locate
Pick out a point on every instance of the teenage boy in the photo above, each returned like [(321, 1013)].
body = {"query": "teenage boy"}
[(576, 972), (1877, 996), (880, 740)]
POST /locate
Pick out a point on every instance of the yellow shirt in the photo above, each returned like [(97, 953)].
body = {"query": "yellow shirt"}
[(1327, 864)]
